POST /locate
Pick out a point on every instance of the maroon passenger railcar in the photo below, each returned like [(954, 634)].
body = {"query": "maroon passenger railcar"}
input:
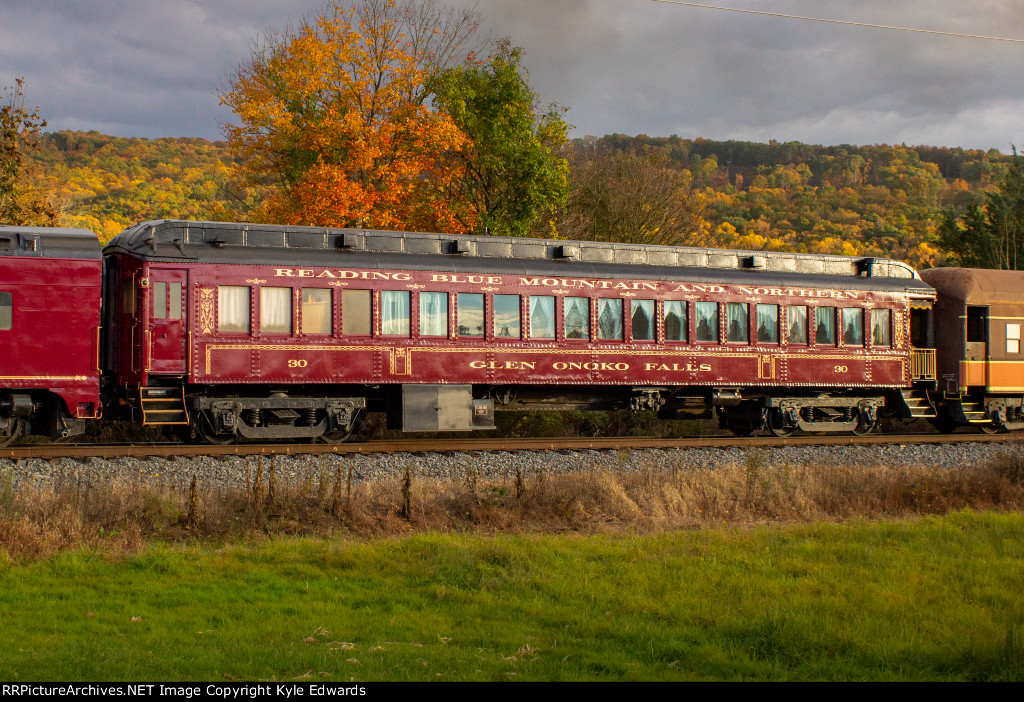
[(50, 283), (263, 331)]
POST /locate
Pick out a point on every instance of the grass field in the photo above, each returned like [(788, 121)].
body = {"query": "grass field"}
[(936, 598)]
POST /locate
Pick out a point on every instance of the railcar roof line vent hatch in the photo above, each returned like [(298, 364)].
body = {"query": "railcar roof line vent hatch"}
[(350, 240), (569, 252), (461, 246), (756, 262)]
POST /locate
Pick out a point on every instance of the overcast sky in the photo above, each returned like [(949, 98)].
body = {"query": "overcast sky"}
[(152, 68)]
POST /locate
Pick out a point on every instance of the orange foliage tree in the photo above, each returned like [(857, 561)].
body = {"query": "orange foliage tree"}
[(335, 113)]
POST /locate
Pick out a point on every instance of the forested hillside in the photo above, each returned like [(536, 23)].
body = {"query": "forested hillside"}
[(858, 200), (106, 183)]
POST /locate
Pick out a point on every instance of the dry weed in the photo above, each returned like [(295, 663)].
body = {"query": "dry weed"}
[(121, 517)]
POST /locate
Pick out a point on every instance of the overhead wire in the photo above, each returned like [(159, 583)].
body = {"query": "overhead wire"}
[(833, 21)]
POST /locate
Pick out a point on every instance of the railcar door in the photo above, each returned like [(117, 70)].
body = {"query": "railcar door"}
[(167, 321)]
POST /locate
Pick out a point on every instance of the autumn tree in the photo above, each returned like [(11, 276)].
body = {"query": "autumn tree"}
[(631, 196), (510, 170), (21, 200), (335, 114), (989, 231)]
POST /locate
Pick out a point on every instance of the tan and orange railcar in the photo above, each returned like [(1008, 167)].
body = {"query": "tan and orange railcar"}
[(979, 318)]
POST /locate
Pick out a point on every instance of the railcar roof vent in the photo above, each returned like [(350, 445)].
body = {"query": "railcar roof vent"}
[(865, 266), (29, 243), (350, 240), (568, 251), (460, 246), (758, 262), (5, 244)]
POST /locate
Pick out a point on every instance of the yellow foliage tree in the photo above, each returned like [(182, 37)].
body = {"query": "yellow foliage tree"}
[(334, 113)]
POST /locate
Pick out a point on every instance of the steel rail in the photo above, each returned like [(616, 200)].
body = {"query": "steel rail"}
[(48, 451)]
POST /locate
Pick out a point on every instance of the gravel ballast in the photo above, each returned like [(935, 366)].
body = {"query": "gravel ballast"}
[(230, 472)]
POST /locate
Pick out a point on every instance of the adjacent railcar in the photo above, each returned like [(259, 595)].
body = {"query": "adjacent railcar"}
[(979, 317), (50, 282), (259, 331)]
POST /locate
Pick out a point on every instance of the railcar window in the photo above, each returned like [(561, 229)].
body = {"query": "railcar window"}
[(1012, 338), (355, 312), (159, 299), (768, 324), (276, 310), (643, 320), (394, 312), (433, 314), (316, 311), (6, 311), (609, 318), (166, 300), (737, 320), (471, 314), (853, 326), (128, 297), (506, 316), (825, 325), (881, 327), (542, 317), (977, 324), (675, 320), (707, 321), (576, 311), (233, 308), (796, 324), (174, 308)]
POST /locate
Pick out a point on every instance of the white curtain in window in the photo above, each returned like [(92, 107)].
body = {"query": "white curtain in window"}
[(394, 312), (542, 317), (316, 311), (643, 320), (609, 318), (707, 321), (232, 308), (880, 322), (853, 326), (276, 310), (577, 318), (434, 314), (675, 320), (737, 322), (768, 324), (796, 325)]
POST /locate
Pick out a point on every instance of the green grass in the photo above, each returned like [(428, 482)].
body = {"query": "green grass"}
[(935, 598)]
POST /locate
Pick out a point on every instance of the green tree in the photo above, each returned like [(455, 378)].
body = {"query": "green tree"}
[(21, 201), (989, 233), (631, 196), (512, 171)]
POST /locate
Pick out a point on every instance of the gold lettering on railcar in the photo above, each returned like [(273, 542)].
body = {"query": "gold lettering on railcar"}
[(580, 284), (688, 367), (590, 366), (503, 365), (337, 274)]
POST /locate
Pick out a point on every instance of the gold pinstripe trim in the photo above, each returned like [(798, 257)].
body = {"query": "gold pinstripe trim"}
[(401, 357), (44, 377)]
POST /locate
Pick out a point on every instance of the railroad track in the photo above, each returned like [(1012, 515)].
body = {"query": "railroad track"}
[(168, 450)]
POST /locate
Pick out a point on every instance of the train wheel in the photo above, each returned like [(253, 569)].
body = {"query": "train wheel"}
[(13, 431), (206, 432), (338, 437), (992, 428), (864, 427), (776, 423)]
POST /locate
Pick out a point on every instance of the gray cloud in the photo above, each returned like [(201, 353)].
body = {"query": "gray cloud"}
[(631, 66)]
